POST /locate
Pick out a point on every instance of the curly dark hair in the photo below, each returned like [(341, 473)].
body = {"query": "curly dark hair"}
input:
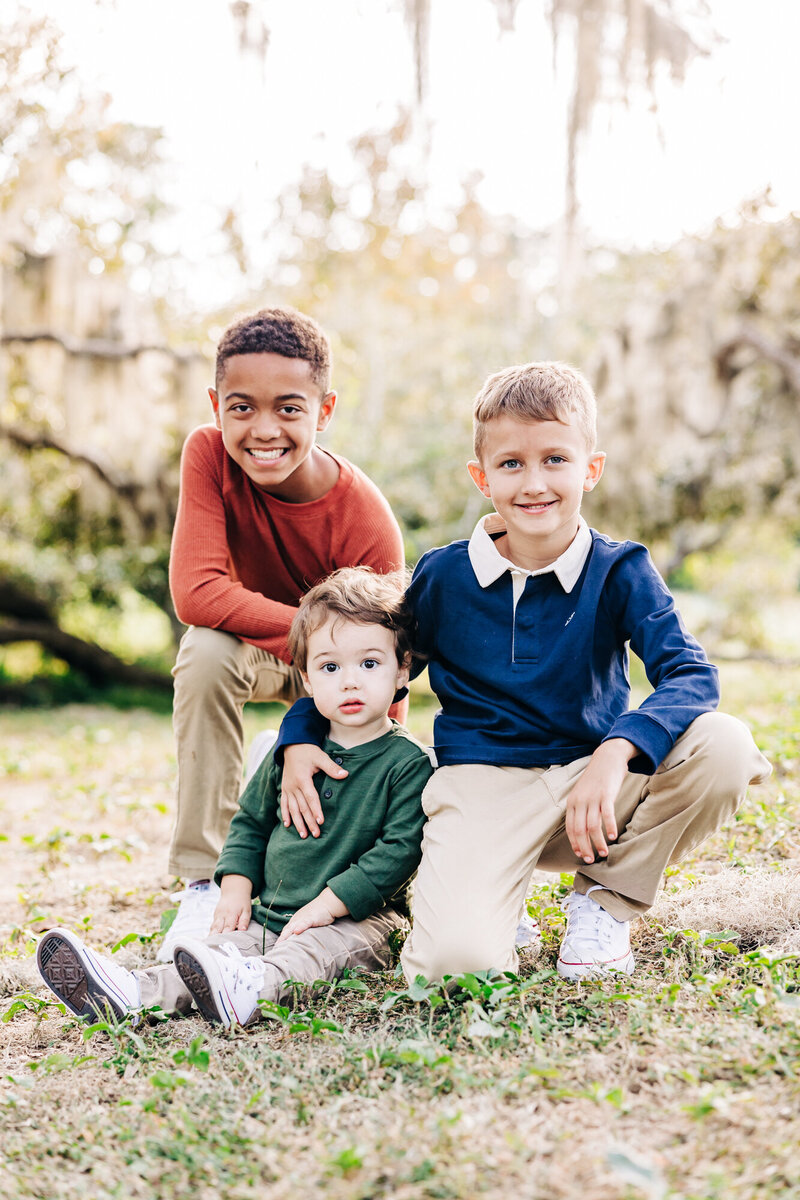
[(355, 594), (278, 331)]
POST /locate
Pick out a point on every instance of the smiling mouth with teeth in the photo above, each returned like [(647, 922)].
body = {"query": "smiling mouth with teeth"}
[(268, 455)]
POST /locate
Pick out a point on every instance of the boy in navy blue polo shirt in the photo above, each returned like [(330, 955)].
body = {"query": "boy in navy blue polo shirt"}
[(541, 763)]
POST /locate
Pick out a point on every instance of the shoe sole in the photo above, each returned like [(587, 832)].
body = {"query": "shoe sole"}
[(66, 974), (206, 997), (577, 971)]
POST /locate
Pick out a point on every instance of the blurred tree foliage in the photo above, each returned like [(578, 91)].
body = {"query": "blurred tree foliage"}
[(69, 175), (617, 47), (420, 310), (76, 525), (695, 354)]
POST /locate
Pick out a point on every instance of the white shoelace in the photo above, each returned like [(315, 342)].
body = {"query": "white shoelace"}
[(249, 972), (586, 919)]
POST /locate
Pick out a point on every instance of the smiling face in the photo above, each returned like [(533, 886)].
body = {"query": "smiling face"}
[(535, 474), (269, 411), (353, 674)]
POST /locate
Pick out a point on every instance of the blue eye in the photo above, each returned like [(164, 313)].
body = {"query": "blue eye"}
[(511, 464), (556, 459)]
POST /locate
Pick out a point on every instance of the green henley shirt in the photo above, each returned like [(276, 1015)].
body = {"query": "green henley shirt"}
[(369, 844)]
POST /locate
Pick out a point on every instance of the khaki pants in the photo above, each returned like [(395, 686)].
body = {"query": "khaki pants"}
[(320, 953), (215, 675), (489, 827)]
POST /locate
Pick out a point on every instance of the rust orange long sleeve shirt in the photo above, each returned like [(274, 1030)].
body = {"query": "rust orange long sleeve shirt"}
[(241, 559)]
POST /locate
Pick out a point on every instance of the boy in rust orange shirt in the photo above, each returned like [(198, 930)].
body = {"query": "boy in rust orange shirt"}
[(264, 514)]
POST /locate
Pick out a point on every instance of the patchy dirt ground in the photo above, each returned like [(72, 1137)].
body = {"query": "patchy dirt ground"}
[(680, 1082)]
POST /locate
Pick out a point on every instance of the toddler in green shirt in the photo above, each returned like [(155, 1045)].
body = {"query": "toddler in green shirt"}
[(295, 908)]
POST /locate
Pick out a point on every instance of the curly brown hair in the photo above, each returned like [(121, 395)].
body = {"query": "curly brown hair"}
[(278, 331), (355, 594)]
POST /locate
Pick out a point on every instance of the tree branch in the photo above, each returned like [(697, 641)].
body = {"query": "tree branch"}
[(97, 347), (42, 441), (100, 666), (748, 335), (124, 488), (689, 539), (17, 601)]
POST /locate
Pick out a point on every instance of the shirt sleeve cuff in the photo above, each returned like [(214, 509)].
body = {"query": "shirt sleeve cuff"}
[(653, 741), (357, 893), (251, 867)]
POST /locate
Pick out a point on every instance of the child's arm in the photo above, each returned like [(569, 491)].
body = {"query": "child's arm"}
[(685, 684), (240, 867), (591, 803), (203, 589), (382, 870), (324, 909)]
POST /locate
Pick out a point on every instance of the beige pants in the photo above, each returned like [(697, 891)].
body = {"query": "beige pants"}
[(489, 827), (215, 675), (321, 953)]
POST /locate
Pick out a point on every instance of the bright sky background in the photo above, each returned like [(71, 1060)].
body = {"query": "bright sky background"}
[(335, 68)]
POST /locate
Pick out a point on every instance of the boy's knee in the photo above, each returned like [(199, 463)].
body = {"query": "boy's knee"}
[(727, 748), (455, 953), (207, 657)]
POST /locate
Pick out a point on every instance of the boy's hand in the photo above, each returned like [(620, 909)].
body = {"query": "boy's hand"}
[(300, 804), (235, 905), (324, 909), (591, 804)]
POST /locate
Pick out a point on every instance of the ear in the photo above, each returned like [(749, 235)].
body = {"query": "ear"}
[(594, 469), (306, 683), (214, 398), (327, 405), (403, 674), (478, 476)]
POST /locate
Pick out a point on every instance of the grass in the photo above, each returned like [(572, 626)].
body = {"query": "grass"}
[(681, 1082)]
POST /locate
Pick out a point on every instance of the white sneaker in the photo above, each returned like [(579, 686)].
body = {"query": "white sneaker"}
[(260, 747), (595, 942), (528, 933), (198, 903), (88, 983), (224, 984)]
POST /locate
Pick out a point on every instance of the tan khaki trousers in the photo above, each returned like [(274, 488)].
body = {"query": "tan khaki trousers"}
[(489, 827), (320, 953), (215, 675)]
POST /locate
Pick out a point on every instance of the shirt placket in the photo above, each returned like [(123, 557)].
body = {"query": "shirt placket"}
[(518, 581)]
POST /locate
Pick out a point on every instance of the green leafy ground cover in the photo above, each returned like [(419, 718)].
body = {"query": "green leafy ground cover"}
[(683, 1081)]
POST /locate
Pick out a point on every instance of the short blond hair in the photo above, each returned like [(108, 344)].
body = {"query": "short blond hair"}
[(536, 391), (359, 595)]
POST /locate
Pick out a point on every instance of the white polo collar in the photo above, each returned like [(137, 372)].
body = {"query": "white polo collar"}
[(489, 564)]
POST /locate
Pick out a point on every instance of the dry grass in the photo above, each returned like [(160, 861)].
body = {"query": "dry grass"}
[(680, 1082)]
